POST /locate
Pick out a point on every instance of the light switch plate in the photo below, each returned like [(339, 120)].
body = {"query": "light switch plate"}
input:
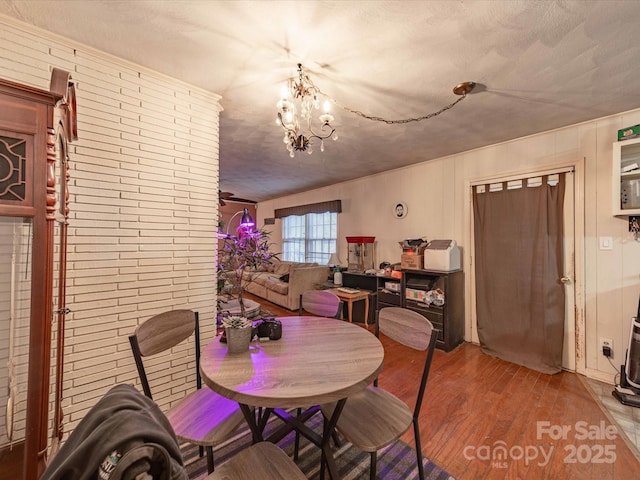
[(606, 243)]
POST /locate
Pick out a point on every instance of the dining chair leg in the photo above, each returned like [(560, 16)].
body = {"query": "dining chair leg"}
[(416, 431), (296, 445), (374, 466), (322, 466), (329, 426), (210, 460), (322, 460)]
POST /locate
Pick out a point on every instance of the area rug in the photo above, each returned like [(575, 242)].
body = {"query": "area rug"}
[(395, 462)]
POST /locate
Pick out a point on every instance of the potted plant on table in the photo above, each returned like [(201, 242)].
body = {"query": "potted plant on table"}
[(238, 331), (238, 257)]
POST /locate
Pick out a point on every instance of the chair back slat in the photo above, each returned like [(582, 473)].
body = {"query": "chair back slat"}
[(412, 330), (320, 302), (165, 330), (406, 327)]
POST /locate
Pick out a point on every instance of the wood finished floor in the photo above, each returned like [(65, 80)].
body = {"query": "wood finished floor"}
[(475, 403)]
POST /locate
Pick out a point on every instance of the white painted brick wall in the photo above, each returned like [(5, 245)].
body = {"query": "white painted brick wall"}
[(142, 229)]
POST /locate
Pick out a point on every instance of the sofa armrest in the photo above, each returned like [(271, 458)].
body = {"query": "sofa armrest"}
[(305, 278)]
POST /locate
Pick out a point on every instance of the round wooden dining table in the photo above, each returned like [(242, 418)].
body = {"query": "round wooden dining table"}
[(317, 360)]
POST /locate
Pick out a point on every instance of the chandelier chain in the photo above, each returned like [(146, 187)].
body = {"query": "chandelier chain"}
[(392, 122)]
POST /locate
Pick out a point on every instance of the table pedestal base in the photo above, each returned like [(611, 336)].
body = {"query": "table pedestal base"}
[(257, 421)]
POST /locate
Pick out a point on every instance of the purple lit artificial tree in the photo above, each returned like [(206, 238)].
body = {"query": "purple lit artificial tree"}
[(246, 252)]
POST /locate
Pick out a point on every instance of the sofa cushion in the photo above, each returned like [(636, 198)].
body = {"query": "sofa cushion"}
[(277, 286), (281, 268), (263, 278)]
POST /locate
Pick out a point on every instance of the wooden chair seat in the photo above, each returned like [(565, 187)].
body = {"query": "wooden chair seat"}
[(263, 461), (205, 418), (389, 418)]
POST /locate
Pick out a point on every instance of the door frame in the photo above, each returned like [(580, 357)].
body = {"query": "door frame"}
[(577, 165)]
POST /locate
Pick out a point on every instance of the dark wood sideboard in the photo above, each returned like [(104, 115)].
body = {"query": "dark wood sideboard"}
[(448, 319)]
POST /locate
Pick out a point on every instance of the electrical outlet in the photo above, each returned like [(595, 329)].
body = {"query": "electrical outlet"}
[(606, 346)]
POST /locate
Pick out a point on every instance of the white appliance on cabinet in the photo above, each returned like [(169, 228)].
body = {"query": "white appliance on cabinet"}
[(442, 255)]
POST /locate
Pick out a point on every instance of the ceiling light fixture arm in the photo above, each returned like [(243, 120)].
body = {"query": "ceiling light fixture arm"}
[(300, 142)]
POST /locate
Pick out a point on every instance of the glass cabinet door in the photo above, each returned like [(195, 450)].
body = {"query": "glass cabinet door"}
[(626, 177), (15, 319)]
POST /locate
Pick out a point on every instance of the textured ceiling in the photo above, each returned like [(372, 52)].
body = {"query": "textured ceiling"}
[(539, 65)]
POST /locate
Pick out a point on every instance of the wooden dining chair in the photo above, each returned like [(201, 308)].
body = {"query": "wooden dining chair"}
[(392, 416), (263, 461), (320, 302), (203, 417)]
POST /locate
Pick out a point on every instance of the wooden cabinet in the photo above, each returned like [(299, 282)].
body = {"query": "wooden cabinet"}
[(447, 318), (35, 126), (411, 292), (626, 177), (389, 292)]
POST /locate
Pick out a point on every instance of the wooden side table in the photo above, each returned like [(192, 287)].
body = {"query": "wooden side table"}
[(354, 297)]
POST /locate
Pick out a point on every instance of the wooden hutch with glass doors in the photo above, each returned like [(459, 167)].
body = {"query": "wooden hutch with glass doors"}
[(36, 127)]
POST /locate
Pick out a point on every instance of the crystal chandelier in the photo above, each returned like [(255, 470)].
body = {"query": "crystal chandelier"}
[(299, 99)]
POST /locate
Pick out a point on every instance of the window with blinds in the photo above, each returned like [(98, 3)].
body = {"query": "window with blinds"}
[(309, 238)]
